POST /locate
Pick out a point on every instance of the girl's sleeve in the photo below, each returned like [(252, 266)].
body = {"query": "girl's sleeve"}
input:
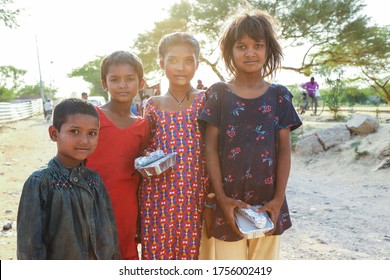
[(288, 116), (30, 245), (211, 112)]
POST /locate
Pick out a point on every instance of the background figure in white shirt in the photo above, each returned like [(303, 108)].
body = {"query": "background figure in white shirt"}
[(47, 109)]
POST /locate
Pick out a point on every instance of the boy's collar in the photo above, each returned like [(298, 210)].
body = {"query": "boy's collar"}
[(69, 169)]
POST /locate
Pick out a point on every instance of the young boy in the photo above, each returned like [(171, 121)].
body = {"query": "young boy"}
[(65, 212)]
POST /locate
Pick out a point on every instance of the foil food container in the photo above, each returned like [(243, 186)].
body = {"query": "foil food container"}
[(257, 219), (249, 229), (157, 167)]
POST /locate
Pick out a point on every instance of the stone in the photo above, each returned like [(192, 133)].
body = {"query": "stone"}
[(308, 146), (334, 136), (362, 124)]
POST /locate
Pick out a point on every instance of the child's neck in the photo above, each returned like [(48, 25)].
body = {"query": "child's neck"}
[(249, 81), (180, 91), (118, 108), (249, 87)]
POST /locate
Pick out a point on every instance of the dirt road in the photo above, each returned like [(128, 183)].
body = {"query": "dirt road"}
[(339, 205)]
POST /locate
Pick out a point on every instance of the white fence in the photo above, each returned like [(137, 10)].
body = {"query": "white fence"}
[(19, 110)]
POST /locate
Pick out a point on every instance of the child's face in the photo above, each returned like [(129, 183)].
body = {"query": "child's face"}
[(76, 140), (180, 65), (249, 55), (122, 82)]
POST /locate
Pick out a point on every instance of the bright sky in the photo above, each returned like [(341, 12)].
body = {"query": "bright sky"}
[(73, 32)]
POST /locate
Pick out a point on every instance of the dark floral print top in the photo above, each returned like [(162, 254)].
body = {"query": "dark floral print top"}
[(248, 146)]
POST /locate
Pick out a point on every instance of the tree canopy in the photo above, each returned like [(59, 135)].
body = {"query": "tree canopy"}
[(12, 85), (332, 33), (90, 72), (10, 82), (8, 15)]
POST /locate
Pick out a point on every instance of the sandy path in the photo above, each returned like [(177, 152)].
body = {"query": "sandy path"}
[(24, 147), (339, 206)]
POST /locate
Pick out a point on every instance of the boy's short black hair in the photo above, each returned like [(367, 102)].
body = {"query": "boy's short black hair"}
[(121, 57), (72, 106)]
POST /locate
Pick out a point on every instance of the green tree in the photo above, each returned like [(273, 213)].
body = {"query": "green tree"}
[(337, 89), (149, 52), (90, 72), (183, 16), (11, 77), (380, 86), (328, 31), (6, 94), (34, 92), (10, 82), (377, 72), (8, 15), (365, 48)]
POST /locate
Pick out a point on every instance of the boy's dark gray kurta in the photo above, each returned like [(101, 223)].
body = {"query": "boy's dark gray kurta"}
[(66, 213)]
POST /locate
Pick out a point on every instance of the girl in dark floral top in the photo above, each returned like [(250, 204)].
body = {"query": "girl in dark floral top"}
[(248, 123)]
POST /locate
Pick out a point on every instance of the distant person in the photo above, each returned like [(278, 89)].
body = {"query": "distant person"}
[(65, 212), (122, 138), (84, 96), (311, 88), (47, 109), (200, 85), (134, 108)]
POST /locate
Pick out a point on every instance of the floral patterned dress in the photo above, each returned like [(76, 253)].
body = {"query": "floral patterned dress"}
[(248, 134), (171, 203)]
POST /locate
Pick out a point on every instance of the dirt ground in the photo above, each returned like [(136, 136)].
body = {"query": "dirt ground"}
[(339, 204)]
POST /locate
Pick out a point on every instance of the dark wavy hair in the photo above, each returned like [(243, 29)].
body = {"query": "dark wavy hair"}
[(258, 25), (72, 106)]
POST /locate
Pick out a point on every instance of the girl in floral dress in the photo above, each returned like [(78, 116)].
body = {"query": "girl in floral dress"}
[(248, 137), (171, 203)]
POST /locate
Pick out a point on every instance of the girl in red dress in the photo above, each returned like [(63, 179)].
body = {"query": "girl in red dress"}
[(122, 138)]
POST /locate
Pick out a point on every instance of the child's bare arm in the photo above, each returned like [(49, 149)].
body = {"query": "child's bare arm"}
[(282, 173), (283, 164)]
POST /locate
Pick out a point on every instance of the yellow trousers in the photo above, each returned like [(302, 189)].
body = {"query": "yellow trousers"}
[(264, 248)]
